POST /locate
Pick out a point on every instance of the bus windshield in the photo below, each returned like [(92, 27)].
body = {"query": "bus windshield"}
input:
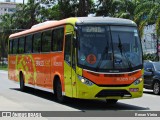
[(109, 48)]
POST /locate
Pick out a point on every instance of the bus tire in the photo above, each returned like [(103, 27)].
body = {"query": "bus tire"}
[(156, 88), (22, 84), (111, 101), (58, 91)]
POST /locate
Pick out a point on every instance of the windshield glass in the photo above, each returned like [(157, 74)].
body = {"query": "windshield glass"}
[(104, 48), (157, 66), (127, 47)]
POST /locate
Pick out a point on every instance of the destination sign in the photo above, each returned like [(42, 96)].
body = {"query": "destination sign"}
[(93, 29)]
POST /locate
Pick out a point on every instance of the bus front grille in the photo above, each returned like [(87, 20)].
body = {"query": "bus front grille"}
[(111, 93)]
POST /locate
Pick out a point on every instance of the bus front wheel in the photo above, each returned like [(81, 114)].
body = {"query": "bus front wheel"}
[(58, 92), (111, 101), (22, 84)]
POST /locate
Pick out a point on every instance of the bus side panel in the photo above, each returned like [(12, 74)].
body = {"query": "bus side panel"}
[(57, 67), (25, 64), (35, 68), (12, 67), (42, 71), (47, 71)]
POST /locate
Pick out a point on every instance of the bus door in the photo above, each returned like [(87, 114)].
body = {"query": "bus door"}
[(69, 66)]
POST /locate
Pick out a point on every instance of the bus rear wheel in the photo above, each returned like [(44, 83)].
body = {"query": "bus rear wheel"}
[(111, 101), (22, 84), (58, 92)]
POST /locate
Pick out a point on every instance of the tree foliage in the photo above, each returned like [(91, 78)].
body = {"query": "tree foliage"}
[(147, 13), (5, 31)]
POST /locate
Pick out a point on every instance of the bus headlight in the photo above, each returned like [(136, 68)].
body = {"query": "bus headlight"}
[(138, 81), (85, 81)]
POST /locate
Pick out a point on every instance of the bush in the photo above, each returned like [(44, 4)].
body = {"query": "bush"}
[(149, 56)]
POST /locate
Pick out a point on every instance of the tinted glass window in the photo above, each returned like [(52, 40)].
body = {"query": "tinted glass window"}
[(46, 41), (157, 66), (37, 43), (21, 45), (127, 47), (15, 46), (109, 48), (28, 45), (10, 46), (67, 56), (58, 35), (148, 65), (73, 52)]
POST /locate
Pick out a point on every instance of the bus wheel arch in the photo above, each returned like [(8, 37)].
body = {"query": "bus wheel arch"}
[(57, 85), (22, 81)]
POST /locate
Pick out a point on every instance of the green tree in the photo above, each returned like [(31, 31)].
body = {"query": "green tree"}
[(126, 9), (27, 15), (117, 8), (85, 7), (5, 31), (67, 8), (147, 13), (106, 7)]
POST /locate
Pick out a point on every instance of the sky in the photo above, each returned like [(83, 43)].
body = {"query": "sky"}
[(18, 1), (21, 1)]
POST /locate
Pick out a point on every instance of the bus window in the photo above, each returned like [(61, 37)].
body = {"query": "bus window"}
[(73, 52), (15, 46), (28, 45), (67, 55), (21, 45), (10, 46), (58, 35), (46, 41), (37, 43)]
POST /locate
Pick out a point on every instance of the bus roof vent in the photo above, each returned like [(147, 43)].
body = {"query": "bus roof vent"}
[(44, 23)]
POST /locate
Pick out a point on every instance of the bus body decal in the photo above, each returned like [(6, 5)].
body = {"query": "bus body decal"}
[(22, 65)]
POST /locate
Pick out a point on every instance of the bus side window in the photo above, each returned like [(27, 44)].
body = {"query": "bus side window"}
[(73, 52), (15, 46), (37, 43), (10, 46), (46, 41), (58, 36), (21, 45), (67, 53), (28, 44)]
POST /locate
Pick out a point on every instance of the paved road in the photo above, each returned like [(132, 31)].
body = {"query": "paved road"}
[(12, 99)]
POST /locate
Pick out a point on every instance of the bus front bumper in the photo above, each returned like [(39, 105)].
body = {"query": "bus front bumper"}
[(97, 92)]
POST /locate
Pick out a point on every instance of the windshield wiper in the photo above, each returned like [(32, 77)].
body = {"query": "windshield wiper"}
[(105, 51), (120, 46)]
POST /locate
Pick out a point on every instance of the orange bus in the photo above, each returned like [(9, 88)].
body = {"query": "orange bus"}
[(83, 57)]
